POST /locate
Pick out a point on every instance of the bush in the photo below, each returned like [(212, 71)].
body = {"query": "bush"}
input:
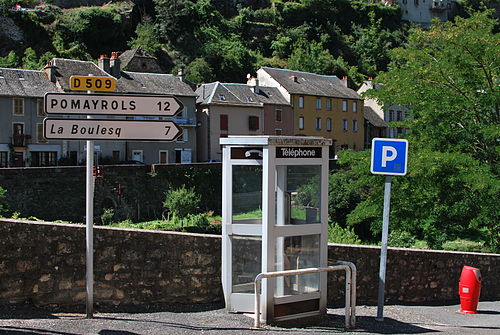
[(182, 202), (337, 234), (3, 206), (401, 239)]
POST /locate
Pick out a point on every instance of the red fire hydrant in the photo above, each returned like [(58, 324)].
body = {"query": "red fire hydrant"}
[(469, 289)]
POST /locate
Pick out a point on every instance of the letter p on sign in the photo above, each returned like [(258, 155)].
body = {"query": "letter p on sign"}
[(389, 156)]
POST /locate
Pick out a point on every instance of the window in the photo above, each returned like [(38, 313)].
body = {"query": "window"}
[(318, 103), (277, 131), (163, 157), (39, 133), (116, 156), (399, 116), (354, 125), (18, 106), (328, 104), (354, 107), (39, 107), (3, 158), (328, 124), (222, 97), (253, 122), (43, 158), (184, 137), (223, 122), (301, 102), (345, 125), (391, 116), (344, 105), (279, 115), (250, 99), (318, 123), (301, 123)]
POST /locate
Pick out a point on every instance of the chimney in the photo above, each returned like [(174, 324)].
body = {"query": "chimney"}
[(180, 74), (115, 65), (104, 63), (50, 70), (253, 83), (294, 78), (344, 80)]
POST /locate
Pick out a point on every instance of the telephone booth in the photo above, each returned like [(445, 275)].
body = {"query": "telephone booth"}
[(274, 215)]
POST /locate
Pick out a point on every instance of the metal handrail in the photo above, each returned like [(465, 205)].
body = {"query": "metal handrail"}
[(350, 289)]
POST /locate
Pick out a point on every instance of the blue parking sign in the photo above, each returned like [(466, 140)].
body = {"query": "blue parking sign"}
[(389, 156)]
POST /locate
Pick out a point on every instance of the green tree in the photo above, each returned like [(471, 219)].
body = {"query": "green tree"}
[(11, 60), (449, 75), (199, 71), (3, 205), (182, 202), (146, 39)]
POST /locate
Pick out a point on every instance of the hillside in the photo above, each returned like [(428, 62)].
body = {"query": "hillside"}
[(212, 39)]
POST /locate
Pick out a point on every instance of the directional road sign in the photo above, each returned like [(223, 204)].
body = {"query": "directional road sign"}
[(94, 129), (389, 156), (99, 104), (91, 83)]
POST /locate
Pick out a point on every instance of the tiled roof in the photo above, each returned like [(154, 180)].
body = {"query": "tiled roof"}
[(24, 83), (238, 94), (153, 83), (129, 82), (311, 84), (374, 118), (128, 56)]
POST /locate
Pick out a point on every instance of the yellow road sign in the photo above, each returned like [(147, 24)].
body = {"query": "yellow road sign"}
[(91, 83)]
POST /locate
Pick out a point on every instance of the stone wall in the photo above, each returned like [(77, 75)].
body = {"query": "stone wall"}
[(133, 192), (44, 264)]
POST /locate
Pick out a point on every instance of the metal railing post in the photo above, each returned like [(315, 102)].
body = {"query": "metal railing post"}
[(350, 291)]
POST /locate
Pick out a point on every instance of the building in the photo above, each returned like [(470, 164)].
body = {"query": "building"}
[(375, 126), (424, 11), (239, 109), (22, 112), (183, 150), (322, 106), (388, 113)]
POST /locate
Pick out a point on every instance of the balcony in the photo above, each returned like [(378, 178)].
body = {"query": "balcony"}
[(21, 140)]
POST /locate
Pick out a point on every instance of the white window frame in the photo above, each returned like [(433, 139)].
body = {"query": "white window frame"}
[(17, 103), (159, 156), (301, 102), (328, 124), (318, 123), (354, 106), (318, 103), (328, 104), (355, 125), (344, 106), (301, 123), (345, 125)]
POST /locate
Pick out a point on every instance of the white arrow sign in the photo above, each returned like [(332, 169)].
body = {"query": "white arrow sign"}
[(95, 104), (93, 129)]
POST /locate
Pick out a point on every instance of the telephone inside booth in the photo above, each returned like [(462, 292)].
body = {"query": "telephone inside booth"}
[(275, 192)]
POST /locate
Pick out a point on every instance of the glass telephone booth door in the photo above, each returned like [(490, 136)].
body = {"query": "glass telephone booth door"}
[(274, 219)]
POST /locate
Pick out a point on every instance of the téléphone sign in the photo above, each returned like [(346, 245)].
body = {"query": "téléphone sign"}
[(389, 156)]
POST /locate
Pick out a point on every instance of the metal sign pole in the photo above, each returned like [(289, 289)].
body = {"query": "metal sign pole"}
[(89, 219), (383, 251)]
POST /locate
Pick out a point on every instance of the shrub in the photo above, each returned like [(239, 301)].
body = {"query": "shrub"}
[(182, 202), (337, 234), (401, 239)]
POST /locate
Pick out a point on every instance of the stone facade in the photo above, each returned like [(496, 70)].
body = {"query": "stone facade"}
[(43, 264)]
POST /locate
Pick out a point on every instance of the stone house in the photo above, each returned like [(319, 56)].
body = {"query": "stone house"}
[(322, 106), (22, 112), (239, 109)]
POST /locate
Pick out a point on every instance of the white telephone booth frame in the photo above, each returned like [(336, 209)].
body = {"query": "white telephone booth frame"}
[(273, 157)]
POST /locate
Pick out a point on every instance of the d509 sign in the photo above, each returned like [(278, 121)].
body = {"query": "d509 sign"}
[(91, 83)]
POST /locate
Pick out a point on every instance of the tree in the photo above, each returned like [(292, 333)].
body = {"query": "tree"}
[(449, 77)]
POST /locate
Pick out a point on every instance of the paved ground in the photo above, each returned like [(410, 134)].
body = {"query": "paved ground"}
[(214, 320)]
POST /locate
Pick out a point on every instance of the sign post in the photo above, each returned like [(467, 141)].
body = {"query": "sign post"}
[(91, 129), (389, 158)]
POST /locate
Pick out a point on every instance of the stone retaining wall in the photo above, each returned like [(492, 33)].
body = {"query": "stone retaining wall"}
[(43, 264)]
